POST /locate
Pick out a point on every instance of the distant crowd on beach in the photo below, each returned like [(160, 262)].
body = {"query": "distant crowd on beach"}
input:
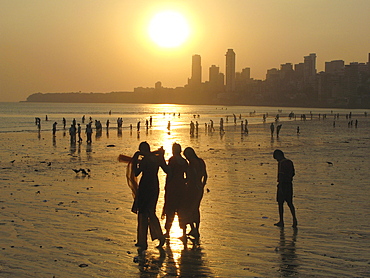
[(76, 129)]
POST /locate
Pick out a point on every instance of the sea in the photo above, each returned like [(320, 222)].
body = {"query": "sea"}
[(20, 116)]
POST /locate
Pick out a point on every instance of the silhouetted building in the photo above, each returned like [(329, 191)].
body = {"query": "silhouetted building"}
[(334, 66), (216, 79), (309, 68), (230, 71), (196, 71)]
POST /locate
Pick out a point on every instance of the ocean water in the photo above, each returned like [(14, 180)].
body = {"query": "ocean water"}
[(20, 117), (56, 223)]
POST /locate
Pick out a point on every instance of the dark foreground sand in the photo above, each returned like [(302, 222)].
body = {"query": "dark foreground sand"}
[(54, 223)]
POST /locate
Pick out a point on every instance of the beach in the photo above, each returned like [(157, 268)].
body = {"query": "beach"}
[(56, 223)]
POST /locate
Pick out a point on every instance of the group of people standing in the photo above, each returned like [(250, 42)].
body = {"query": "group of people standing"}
[(185, 181)]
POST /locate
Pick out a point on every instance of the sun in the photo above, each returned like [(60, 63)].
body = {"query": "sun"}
[(169, 29)]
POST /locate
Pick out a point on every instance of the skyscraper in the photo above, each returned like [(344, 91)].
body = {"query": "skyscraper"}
[(230, 71), (309, 68), (196, 71)]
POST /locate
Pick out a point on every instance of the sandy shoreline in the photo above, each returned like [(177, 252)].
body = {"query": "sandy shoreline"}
[(54, 223)]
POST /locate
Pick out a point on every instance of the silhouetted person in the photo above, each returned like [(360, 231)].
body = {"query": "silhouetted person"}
[(147, 193), (192, 128), (79, 133), (89, 132), (298, 130), (272, 128), (196, 178), (278, 130), (54, 128), (64, 123), (72, 133), (285, 176), (175, 188)]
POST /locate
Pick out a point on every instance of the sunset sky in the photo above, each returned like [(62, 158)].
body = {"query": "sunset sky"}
[(104, 45)]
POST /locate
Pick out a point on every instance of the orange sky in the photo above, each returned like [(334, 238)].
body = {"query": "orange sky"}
[(103, 46)]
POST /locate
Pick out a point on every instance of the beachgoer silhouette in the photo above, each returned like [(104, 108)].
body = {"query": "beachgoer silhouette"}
[(285, 176), (64, 123), (79, 133), (89, 132), (54, 128), (298, 131), (278, 129), (175, 188), (147, 193), (196, 179), (192, 128), (272, 128), (72, 133)]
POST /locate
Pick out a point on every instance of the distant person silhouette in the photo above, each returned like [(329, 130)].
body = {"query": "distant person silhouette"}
[(54, 128), (196, 178), (79, 133), (278, 129), (147, 163), (89, 132), (285, 176), (72, 133), (272, 128), (175, 187)]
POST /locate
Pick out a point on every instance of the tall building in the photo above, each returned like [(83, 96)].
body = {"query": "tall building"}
[(230, 71), (309, 68), (196, 71), (214, 72)]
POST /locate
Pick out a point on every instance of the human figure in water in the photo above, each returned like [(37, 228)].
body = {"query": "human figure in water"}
[(196, 178), (278, 129), (285, 176), (54, 128), (175, 187), (147, 163), (272, 128)]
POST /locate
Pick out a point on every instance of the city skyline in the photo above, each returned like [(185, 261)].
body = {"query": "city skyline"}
[(62, 46)]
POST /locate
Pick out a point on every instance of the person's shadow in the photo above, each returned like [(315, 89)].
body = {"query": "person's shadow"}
[(287, 250)]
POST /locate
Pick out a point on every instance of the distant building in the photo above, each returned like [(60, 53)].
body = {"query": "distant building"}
[(309, 72), (196, 71), (246, 74), (334, 66), (230, 71)]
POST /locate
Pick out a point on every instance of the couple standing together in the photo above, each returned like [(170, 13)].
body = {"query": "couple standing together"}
[(185, 182)]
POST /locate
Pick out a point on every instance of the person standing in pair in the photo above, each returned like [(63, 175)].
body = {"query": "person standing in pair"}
[(147, 163), (175, 188), (196, 178)]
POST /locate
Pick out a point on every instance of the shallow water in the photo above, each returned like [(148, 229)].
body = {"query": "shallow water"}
[(56, 223)]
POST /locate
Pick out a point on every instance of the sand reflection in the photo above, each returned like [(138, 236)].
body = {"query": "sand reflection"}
[(287, 250), (178, 258)]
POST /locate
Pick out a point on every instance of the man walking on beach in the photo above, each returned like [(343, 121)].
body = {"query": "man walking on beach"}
[(285, 187)]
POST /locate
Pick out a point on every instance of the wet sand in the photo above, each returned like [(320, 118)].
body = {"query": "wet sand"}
[(55, 223)]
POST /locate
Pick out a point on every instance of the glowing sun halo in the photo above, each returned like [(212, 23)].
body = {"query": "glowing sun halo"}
[(169, 29)]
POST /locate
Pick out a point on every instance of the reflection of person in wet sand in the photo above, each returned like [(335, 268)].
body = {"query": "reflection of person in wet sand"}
[(287, 251), (175, 186), (285, 186), (147, 193), (196, 177)]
